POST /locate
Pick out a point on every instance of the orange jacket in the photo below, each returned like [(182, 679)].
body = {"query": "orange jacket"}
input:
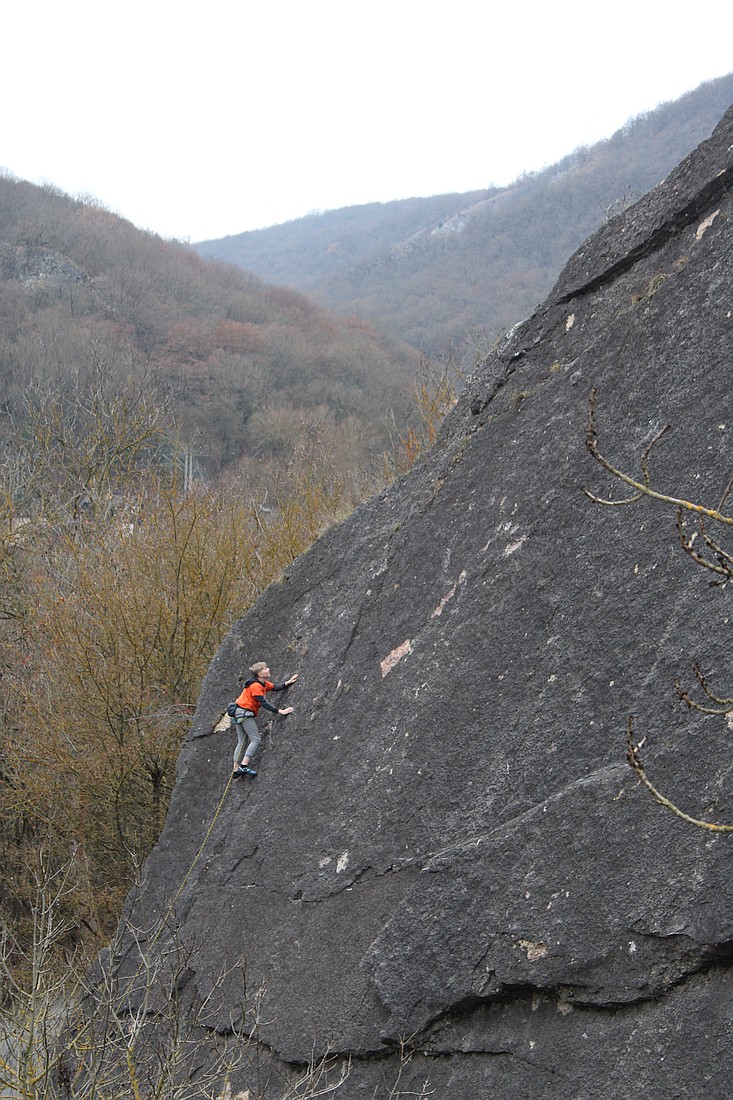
[(254, 695)]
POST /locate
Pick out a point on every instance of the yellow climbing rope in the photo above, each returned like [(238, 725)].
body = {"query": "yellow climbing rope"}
[(189, 872)]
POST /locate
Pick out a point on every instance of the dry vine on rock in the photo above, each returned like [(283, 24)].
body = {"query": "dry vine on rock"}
[(705, 550)]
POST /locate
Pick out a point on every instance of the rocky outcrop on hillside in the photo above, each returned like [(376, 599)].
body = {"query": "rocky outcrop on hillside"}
[(445, 871), (32, 265)]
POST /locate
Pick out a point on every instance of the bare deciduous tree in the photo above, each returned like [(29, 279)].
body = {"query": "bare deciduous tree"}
[(145, 1023)]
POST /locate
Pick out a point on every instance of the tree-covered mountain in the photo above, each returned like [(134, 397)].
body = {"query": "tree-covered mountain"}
[(456, 269), (241, 364)]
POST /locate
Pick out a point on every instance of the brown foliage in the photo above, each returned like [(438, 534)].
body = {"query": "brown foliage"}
[(434, 395), (122, 614)]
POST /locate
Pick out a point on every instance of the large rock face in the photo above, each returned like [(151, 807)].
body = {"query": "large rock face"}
[(444, 843)]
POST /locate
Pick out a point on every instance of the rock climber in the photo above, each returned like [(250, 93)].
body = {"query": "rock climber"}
[(248, 704)]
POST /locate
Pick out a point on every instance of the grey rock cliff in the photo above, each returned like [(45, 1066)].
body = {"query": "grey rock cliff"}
[(444, 842)]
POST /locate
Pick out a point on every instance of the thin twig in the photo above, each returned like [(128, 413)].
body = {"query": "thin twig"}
[(634, 759)]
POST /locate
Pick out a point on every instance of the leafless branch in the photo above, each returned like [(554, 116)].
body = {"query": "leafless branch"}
[(634, 759)]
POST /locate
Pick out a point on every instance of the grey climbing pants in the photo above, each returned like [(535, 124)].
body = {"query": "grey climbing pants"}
[(246, 732)]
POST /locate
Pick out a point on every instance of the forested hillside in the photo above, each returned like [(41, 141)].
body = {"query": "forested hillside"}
[(457, 269), (240, 363)]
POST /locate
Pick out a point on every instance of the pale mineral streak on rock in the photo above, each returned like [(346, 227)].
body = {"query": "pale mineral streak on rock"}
[(395, 657), (706, 224), (448, 597)]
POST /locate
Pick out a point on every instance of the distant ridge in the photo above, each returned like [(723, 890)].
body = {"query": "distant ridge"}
[(458, 269)]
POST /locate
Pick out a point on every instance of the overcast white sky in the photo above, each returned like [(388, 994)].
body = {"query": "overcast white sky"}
[(200, 120)]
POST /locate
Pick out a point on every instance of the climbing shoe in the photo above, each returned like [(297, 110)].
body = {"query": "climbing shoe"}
[(245, 770)]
